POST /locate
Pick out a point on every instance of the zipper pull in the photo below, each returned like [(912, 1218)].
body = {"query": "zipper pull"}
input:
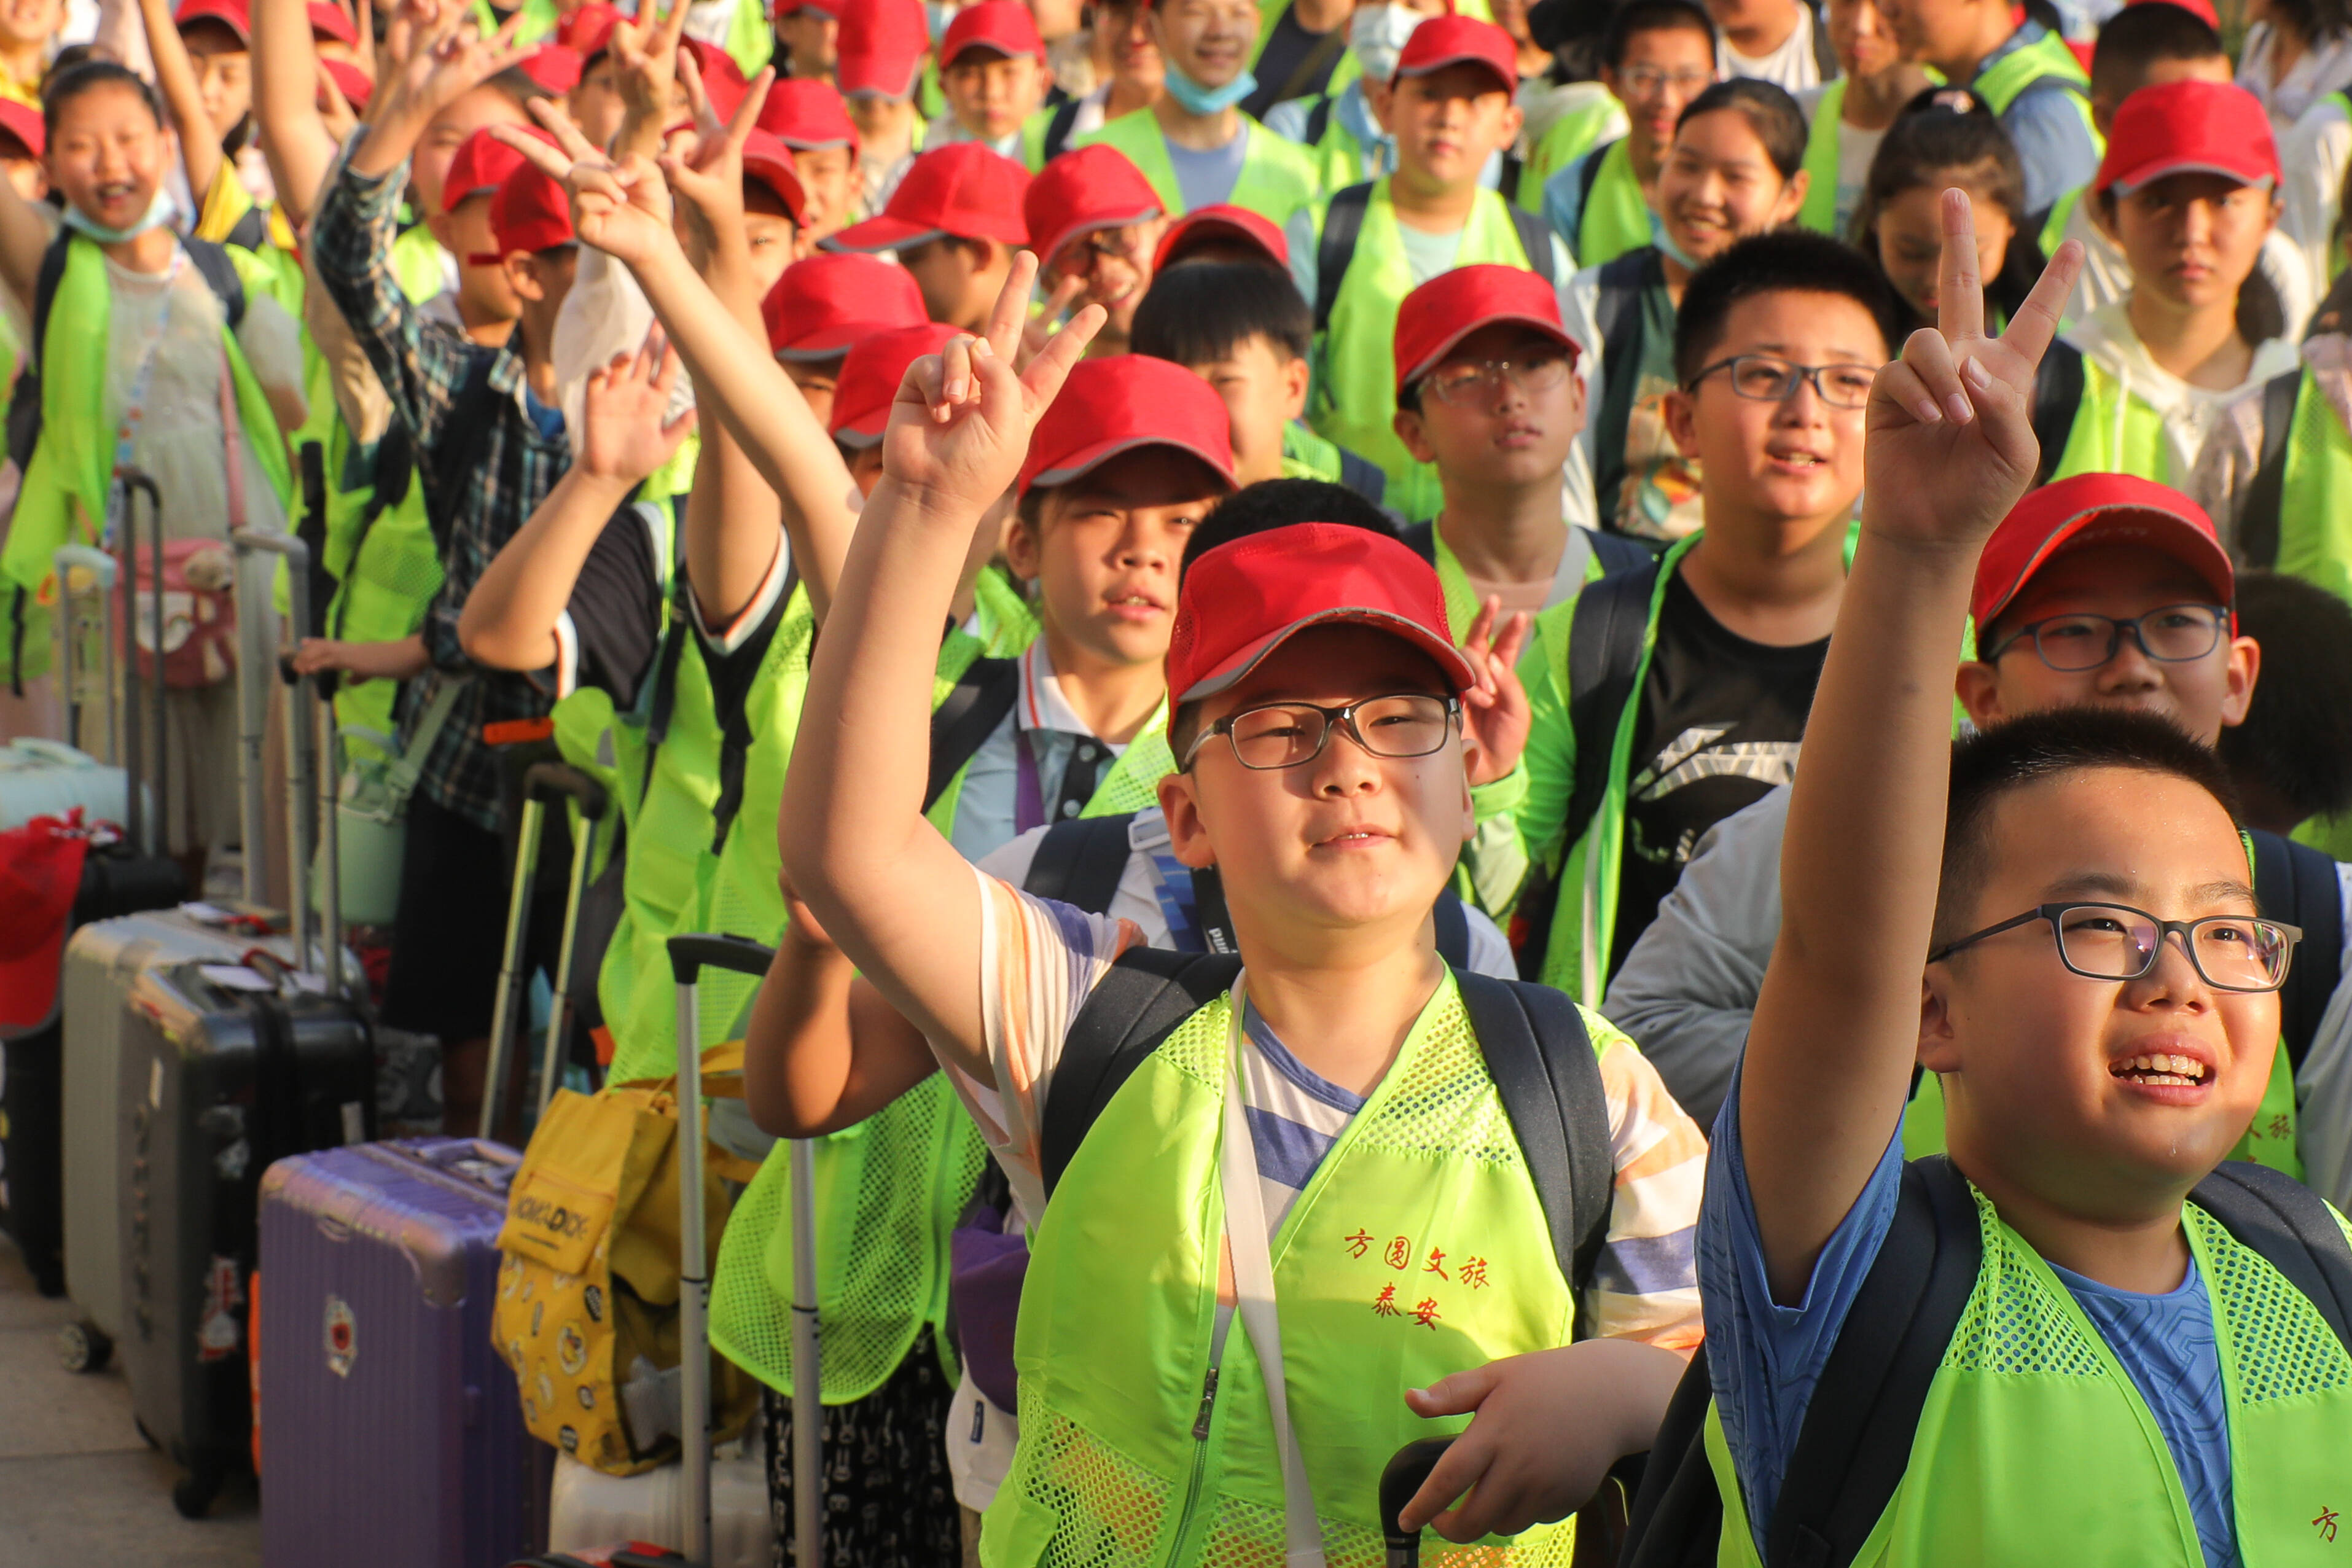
[(1208, 1404)]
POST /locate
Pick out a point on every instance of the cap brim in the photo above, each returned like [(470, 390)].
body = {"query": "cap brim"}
[(1436, 356), (1431, 68), (2128, 523), (2125, 184), (858, 77), (859, 439), (1092, 226), (831, 343), (1090, 458), (884, 232), (1235, 669), (1179, 243)]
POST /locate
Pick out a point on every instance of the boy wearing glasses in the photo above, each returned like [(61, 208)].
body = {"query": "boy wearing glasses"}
[(1655, 57), (1667, 701), (1093, 220), (1305, 1205)]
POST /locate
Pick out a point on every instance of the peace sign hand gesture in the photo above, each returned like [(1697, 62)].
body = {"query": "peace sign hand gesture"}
[(1950, 444), (620, 206), (960, 425)]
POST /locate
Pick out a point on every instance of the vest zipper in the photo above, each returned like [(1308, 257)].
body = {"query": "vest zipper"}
[(1208, 1408), (1201, 1425)]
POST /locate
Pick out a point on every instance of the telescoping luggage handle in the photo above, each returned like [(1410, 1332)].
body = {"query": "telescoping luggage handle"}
[(1407, 1468), (688, 956), (543, 784), (104, 574)]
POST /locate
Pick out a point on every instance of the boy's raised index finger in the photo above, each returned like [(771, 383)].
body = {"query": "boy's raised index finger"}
[(747, 111), (549, 161), (2035, 325), (1012, 307), (1959, 286)]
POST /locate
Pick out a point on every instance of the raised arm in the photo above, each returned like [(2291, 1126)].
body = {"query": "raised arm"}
[(893, 893), (23, 237), (1950, 448), (200, 147), (294, 135)]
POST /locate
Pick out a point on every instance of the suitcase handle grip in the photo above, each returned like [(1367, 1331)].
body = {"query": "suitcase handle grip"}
[(689, 956), (551, 781), (1407, 1468)]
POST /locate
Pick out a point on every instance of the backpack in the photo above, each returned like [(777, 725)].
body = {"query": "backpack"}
[(1343, 225), (2299, 884), (1855, 1443), (2057, 394), (1616, 552), (966, 718), (1534, 1039), (1617, 319), (2258, 525), (1058, 129), (1081, 859)]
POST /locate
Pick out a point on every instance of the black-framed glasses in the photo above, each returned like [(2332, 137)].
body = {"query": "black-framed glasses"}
[(2170, 634), (1284, 735), (1475, 381), (1767, 377), (2116, 942)]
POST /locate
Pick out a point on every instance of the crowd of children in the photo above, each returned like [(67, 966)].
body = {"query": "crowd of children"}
[(1238, 590)]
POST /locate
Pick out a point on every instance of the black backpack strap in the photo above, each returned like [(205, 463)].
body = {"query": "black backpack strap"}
[(1079, 860), (981, 698), (1506, 181), (250, 232), (2299, 884), (1535, 238), (220, 273), (1855, 1442), (2057, 394), (1825, 58), (1620, 552), (1364, 476), (1318, 121), (2294, 1229), (24, 405), (1540, 1056), (1057, 129), (2258, 523), (1343, 221), (1604, 651), (1588, 176), (455, 458), (1453, 929), (1138, 1003), (1617, 318), (1676, 1518), (1421, 540)]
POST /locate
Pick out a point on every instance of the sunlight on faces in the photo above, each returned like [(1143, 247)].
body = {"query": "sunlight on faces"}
[(223, 68), (1718, 185), (2192, 240), (447, 132), (1115, 261), (1208, 40), (25, 23), (1861, 38), (595, 103), (768, 230), (2026, 1047), (541, 281), (864, 467), (1263, 389), (1935, 30), (1448, 122), (1134, 57), (106, 154), (1664, 70), (1911, 238), (1794, 459), (812, 40), (2156, 73), (1057, 18), (1105, 552), (1508, 434), (824, 173), (1332, 846), (2121, 581), (991, 94), (486, 293), (817, 379), (958, 278)]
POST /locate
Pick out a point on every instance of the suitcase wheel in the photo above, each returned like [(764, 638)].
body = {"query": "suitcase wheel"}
[(84, 1347), (192, 1493)]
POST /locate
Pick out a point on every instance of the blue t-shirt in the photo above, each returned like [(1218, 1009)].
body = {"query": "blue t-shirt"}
[(1205, 179), (2045, 121), (1765, 1359)]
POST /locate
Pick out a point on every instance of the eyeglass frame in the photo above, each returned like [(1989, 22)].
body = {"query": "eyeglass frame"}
[(2115, 625), (1090, 248), (1494, 374), (2052, 912), (1335, 719), (1797, 376), (1633, 76)]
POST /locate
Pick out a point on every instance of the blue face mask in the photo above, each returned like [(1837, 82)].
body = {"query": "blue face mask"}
[(160, 211), (1194, 98), (1682, 258)]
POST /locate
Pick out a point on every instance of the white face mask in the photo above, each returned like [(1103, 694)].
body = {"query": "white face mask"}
[(1377, 34)]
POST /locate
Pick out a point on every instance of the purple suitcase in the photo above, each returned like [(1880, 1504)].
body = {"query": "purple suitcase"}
[(392, 1435)]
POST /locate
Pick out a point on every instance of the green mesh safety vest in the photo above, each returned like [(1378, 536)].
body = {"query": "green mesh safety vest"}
[(1418, 1249), (2047, 59), (2316, 499), (2114, 432), (539, 19), (417, 262), (1337, 152), (1820, 211), (2034, 1446), (1277, 177), (750, 37), (1615, 218), (1002, 617), (1570, 138), (2053, 228), (1353, 399)]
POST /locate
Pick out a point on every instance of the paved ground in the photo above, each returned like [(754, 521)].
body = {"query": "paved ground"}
[(78, 1484)]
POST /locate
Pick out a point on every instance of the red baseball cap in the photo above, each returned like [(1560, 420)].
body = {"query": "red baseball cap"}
[(881, 46), (804, 114), (530, 212), (1220, 222), (350, 80), (235, 14), (1451, 40), (588, 31), (1453, 305), (830, 8), (769, 162), (962, 189), (329, 20), (1004, 26), (2200, 9), (1242, 600), (1119, 403), (871, 375), (2095, 509), (554, 68), (40, 874), (1090, 188), (23, 122), (482, 164), (722, 79), (2189, 127), (822, 307)]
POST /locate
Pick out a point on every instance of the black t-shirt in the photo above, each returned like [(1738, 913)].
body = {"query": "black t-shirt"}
[(1720, 721), (1286, 48)]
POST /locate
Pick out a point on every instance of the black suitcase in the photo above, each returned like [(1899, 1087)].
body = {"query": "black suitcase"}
[(217, 1083)]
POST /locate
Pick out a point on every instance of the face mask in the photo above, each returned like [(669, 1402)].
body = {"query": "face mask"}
[(940, 14), (1197, 100), (1376, 37), (1681, 257), (160, 211)]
